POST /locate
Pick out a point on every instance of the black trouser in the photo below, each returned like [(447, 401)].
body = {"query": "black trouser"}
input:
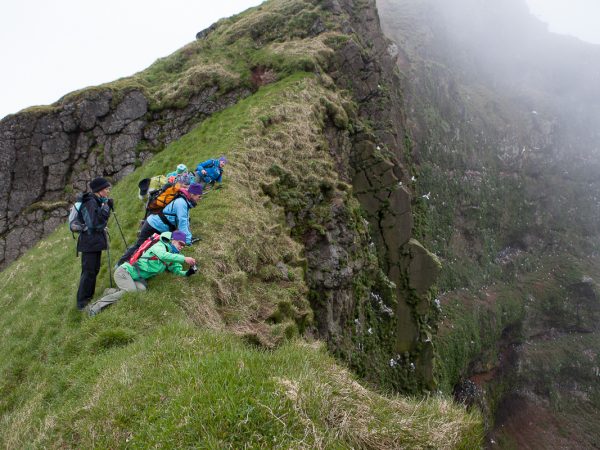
[(145, 233), (90, 266)]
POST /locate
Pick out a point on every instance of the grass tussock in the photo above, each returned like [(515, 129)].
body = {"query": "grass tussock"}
[(356, 415)]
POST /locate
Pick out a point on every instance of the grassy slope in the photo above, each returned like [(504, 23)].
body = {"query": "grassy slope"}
[(171, 366)]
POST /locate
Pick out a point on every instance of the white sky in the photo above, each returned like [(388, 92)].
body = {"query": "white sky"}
[(579, 18), (49, 48)]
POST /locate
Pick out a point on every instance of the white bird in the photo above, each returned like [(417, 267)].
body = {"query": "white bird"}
[(413, 178), (378, 147), (426, 196)]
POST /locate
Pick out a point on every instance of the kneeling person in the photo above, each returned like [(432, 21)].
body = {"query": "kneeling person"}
[(163, 255)]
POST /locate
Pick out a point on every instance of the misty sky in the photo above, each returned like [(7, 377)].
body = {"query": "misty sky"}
[(580, 18), (49, 48)]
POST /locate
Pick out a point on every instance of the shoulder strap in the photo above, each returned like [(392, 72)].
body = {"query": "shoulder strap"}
[(208, 165), (163, 216), (85, 215), (155, 256)]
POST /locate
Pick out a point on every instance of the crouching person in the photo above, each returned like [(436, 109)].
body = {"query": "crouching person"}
[(162, 255)]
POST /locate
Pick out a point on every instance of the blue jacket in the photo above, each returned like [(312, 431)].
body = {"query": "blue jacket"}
[(178, 214), (213, 171)]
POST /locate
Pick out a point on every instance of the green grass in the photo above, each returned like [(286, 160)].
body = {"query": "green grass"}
[(179, 386), (178, 365), (272, 36)]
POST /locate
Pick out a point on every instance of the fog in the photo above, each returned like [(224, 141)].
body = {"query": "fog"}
[(503, 46), (577, 18), (491, 88)]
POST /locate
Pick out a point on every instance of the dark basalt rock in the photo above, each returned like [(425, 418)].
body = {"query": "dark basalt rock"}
[(74, 141)]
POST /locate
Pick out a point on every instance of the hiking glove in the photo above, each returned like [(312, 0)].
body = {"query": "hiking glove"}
[(111, 204), (191, 271)]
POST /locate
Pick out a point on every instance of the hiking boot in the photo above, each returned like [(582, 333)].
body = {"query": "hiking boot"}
[(91, 311), (82, 308)]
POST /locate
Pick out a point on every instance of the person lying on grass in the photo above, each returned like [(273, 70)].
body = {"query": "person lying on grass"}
[(163, 255), (210, 171)]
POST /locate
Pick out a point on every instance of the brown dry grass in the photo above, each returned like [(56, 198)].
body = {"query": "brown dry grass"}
[(249, 236), (368, 420), (194, 80)]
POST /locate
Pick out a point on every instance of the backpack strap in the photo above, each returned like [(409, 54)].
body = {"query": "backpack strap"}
[(166, 221), (85, 215), (163, 215), (151, 258)]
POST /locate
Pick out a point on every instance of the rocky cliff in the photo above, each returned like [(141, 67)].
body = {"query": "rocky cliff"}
[(504, 119), (47, 154)]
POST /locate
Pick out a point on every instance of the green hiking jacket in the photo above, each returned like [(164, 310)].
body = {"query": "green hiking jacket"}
[(156, 260)]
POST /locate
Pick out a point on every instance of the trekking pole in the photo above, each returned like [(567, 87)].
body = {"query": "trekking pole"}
[(120, 230), (109, 264)]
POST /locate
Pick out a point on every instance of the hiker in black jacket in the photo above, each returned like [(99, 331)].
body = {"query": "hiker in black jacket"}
[(95, 211)]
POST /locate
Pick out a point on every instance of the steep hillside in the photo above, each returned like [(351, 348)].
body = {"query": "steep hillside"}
[(165, 366), (504, 120), (362, 260), (310, 241)]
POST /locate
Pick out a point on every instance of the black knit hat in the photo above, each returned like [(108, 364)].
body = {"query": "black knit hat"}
[(97, 184)]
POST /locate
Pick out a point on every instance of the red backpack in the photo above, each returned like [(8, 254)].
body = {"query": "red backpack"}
[(145, 246)]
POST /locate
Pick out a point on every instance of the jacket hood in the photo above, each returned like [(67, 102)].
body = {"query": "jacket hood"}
[(86, 196), (166, 237)]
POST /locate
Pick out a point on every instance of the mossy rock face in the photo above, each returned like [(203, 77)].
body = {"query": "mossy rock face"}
[(407, 332), (386, 202), (423, 268)]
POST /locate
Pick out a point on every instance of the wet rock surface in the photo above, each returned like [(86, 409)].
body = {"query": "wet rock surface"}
[(381, 180)]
